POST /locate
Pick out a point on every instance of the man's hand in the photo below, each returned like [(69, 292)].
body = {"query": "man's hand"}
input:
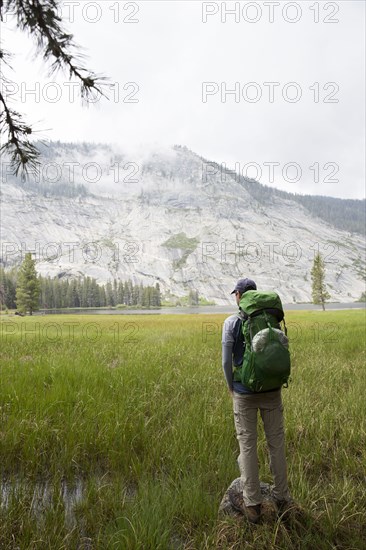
[(231, 393)]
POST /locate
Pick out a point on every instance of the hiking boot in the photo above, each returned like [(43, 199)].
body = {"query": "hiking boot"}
[(284, 506), (237, 501), (269, 510), (252, 513)]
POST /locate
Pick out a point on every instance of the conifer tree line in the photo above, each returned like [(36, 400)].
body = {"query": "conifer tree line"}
[(55, 293)]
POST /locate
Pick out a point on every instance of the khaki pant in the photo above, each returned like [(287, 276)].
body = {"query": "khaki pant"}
[(245, 416)]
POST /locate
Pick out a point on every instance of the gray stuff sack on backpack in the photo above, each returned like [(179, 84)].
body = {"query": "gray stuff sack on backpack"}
[(261, 338)]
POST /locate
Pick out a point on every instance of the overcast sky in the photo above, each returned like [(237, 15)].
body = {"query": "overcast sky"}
[(295, 119)]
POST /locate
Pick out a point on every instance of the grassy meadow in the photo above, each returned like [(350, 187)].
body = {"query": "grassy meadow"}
[(117, 432)]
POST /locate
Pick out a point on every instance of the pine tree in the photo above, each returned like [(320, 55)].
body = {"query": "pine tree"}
[(140, 294), (193, 298), (109, 294), (115, 291), (57, 298), (102, 296), (47, 294), (135, 295), (319, 291), (128, 292), (28, 286), (2, 293), (120, 293), (7, 288), (85, 285), (64, 291), (158, 295), (146, 298)]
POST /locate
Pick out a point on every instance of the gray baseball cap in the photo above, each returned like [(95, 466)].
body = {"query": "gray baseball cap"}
[(244, 284)]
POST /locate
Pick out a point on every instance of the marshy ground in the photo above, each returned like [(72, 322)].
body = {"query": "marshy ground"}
[(119, 434)]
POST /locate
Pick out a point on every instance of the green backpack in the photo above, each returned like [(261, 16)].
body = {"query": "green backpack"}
[(266, 363)]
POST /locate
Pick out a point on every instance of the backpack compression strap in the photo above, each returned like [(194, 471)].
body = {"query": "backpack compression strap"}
[(278, 313)]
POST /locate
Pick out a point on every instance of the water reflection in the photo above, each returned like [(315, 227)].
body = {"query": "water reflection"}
[(43, 496), (195, 310)]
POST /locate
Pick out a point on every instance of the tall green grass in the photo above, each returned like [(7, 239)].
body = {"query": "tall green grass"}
[(134, 410)]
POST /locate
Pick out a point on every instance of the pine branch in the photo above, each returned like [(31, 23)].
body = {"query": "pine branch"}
[(23, 154), (40, 19)]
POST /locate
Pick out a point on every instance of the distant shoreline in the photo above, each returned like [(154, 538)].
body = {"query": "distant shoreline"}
[(230, 308)]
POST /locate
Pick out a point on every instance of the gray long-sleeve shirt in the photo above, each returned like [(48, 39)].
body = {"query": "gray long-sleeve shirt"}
[(233, 350)]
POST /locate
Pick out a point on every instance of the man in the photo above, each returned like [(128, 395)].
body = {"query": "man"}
[(246, 404)]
